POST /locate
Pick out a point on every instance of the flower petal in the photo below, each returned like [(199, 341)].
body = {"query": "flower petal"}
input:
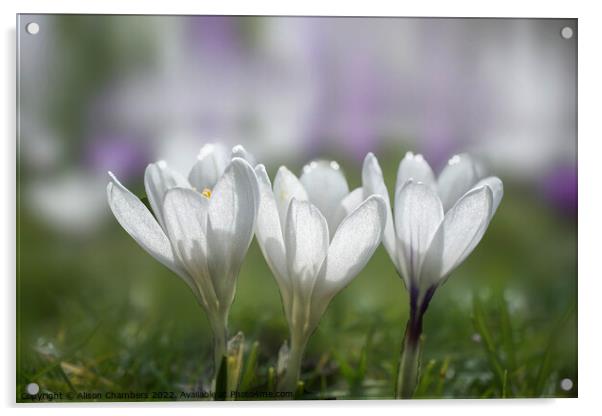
[(353, 245), (374, 184), (186, 213), (137, 220), (458, 177), (158, 179), (209, 167), (348, 205), (268, 228), (306, 241), (326, 186), (286, 187), (414, 167), (232, 212), (241, 152), (497, 190), (418, 214), (461, 230)]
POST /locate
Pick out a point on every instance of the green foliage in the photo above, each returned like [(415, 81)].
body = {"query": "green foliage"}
[(249, 376), (97, 314), (489, 345)]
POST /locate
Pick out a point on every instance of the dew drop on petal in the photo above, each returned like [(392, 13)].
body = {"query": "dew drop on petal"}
[(454, 160)]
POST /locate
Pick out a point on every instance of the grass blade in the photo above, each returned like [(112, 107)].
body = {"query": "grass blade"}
[(480, 325), (442, 376), (235, 360), (271, 379), (507, 333), (546, 363), (250, 369), (426, 378)]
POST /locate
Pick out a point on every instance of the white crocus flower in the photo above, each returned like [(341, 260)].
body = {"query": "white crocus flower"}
[(436, 224), (313, 245), (202, 226)]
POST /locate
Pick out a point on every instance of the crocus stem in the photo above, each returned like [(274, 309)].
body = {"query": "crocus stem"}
[(293, 367), (409, 361), (220, 349)]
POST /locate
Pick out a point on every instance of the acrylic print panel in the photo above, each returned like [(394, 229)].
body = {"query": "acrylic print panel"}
[(297, 208)]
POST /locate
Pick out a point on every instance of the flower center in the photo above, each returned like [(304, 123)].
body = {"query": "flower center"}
[(206, 193)]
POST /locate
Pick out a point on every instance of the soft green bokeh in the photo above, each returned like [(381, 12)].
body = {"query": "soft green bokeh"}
[(99, 314)]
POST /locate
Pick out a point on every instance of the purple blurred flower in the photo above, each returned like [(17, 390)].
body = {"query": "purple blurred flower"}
[(124, 156), (449, 93), (560, 188), (363, 97), (356, 90), (216, 37)]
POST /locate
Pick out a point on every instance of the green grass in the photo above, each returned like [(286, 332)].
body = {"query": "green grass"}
[(97, 314)]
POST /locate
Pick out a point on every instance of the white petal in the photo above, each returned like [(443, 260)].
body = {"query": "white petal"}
[(209, 167), (497, 190), (186, 225), (374, 184), (418, 214), (461, 230), (458, 177), (241, 152), (286, 187), (414, 167), (232, 212), (268, 228), (185, 213), (348, 205), (137, 220), (306, 241), (352, 246), (326, 186), (158, 179)]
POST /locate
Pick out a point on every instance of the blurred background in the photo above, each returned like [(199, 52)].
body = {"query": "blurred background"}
[(99, 93)]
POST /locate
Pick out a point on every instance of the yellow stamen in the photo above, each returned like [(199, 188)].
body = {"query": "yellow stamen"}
[(206, 193)]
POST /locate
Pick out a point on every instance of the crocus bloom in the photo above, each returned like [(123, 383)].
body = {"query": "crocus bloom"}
[(436, 224), (313, 244), (202, 226)]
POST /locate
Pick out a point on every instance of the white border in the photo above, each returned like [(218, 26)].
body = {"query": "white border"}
[(590, 107)]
